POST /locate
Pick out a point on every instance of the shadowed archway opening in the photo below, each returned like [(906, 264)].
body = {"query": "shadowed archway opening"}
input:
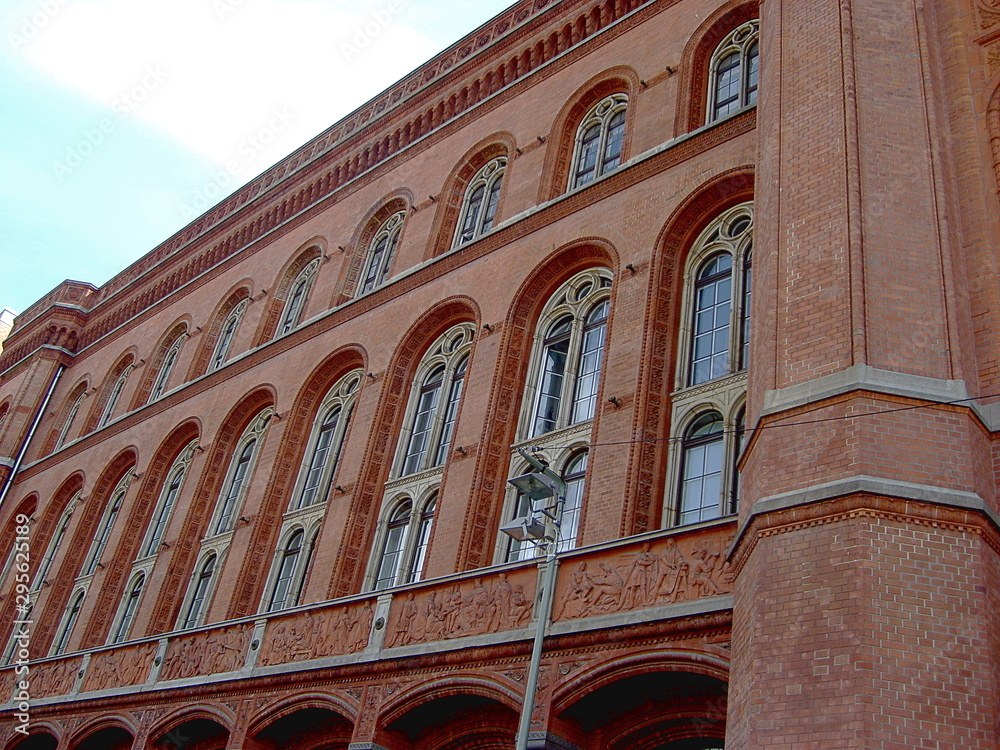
[(650, 711), (194, 734), (310, 728), (456, 722), (40, 741), (108, 738)]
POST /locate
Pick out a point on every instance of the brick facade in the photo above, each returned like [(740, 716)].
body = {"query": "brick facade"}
[(262, 507)]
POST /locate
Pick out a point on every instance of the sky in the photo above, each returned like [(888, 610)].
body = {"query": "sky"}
[(123, 120)]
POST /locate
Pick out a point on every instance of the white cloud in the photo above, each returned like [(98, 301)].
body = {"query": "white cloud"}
[(210, 73)]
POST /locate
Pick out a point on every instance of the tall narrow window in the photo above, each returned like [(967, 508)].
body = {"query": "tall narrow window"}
[(67, 629), (107, 523), (202, 583), (735, 71), (168, 498), (738, 437), (112, 402), (282, 593), (128, 613), (720, 297), (53, 550), (435, 401), (569, 526), (70, 418), (416, 568), (701, 470), (226, 335), (570, 353), (167, 367), (380, 253), (392, 550), (297, 296), (14, 643), (481, 198), (326, 442), (599, 141), (239, 472)]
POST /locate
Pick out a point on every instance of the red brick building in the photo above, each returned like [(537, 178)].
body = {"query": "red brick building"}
[(259, 476)]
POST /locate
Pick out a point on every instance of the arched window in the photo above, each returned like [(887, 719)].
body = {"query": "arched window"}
[(424, 524), (225, 341), (569, 353), (168, 498), (199, 593), (116, 392), (107, 523), (481, 199), (283, 593), (392, 550), (238, 474), (739, 434), (735, 69), (128, 611), (380, 252), (167, 367), (599, 140), (405, 542), (69, 620), (326, 442), (573, 474), (701, 470), (720, 323), (70, 418), (434, 402), (53, 550), (297, 296), (14, 642)]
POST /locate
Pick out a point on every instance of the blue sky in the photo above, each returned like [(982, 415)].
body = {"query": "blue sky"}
[(118, 116)]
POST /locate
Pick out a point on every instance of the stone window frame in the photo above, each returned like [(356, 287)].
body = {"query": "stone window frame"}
[(420, 496), (297, 298), (391, 229), (740, 40), (600, 114), (180, 464), (128, 607), (167, 367), (490, 178), (184, 616), (227, 333), (255, 431), (308, 524)]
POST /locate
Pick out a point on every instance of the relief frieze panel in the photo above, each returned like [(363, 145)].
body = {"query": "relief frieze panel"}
[(673, 569), (485, 604), (332, 631), (53, 678), (120, 667), (209, 652)]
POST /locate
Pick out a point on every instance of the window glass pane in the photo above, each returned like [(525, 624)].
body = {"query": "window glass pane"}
[(74, 612), (613, 144), (727, 85), (710, 346), (491, 206), (286, 572), (586, 162), (50, 555), (521, 550), (472, 210), (374, 265), (395, 541), (130, 606), (104, 533), (165, 369), (451, 412), (550, 386), (200, 592), (152, 547), (317, 465), (423, 421), (423, 539), (702, 471), (235, 485), (745, 315), (294, 306), (588, 373), (570, 525), (753, 73)]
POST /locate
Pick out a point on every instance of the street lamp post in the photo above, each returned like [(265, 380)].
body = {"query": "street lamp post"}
[(543, 531)]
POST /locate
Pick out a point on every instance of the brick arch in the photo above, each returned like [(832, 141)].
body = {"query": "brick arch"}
[(37, 729), (620, 79), (73, 554), (60, 417), (113, 721), (183, 554), (40, 536), (104, 390), (694, 73), (26, 507), (360, 530), (993, 127), (278, 292), (450, 199), (482, 686), (345, 706), (225, 718), (155, 360), (648, 458), (284, 472), (394, 202), (237, 293), (507, 390), (117, 574)]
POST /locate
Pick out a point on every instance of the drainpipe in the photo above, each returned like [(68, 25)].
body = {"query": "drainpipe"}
[(9, 482)]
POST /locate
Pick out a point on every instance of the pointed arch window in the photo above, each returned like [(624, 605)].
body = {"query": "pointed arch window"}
[(116, 392), (434, 402), (570, 353), (599, 139), (70, 418), (282, 595), (107, 523), (735, 70), (72, 614), (239, 472), (128, 613), (479, 209), (225, 341), (327, 441), (297, 297), (701, 470), (721, 291), (380, 253), (166, 368), (201, 586)]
